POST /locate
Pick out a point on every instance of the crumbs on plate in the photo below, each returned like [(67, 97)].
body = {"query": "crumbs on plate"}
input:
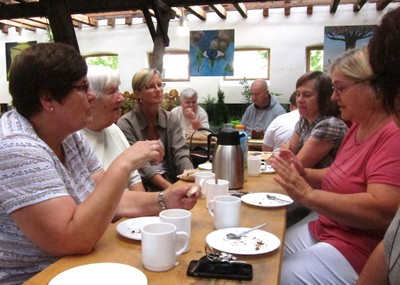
[(136, 231)]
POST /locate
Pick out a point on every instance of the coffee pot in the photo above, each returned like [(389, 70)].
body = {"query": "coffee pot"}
[(228, 160)]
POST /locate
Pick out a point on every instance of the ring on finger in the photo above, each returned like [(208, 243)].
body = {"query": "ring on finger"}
[(153, 147)]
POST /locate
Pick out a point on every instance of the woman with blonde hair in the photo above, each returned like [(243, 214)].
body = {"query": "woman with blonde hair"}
[(148, 121), (356, 197)]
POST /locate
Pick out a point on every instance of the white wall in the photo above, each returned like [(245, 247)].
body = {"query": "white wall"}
[(287, 38)]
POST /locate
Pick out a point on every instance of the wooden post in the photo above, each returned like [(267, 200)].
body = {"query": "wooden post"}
[(60, 22)]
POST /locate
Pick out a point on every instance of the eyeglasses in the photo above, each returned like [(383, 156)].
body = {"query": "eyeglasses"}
[(339, 90), (152, 87), (84, 87)]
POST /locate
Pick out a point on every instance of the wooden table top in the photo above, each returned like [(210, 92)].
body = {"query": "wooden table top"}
[(114, 248)]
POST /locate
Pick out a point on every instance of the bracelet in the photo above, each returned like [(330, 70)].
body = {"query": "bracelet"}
[(161, 200)]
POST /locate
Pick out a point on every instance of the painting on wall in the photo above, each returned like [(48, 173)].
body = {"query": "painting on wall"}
[(14, 49), (338, 39), (211, 52)]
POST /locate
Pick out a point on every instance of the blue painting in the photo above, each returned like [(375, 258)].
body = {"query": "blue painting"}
[(338, 39), (211, 53)]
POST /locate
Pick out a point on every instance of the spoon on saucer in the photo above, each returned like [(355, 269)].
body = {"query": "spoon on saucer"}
[(239, 235)]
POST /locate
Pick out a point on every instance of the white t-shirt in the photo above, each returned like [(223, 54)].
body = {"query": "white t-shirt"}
[(107, 145), (281, 129)]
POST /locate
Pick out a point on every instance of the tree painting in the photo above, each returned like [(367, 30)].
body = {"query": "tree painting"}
[(211, 53), (338, 39)]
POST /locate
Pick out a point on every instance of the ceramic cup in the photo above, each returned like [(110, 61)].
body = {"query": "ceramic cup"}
[(182, 219), (158, 246), (225, 210), (200, 178), (255, 166), (216, 189)]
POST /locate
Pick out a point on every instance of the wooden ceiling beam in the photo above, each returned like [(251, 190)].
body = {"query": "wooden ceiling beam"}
[(128, 20), (219, 10), (381, 4), (334, 5), (241, 9), (358, 5), (85, 20), (15, 24), (310, 9), (197, 11), (4, 28), (265, 12), (32, 23)]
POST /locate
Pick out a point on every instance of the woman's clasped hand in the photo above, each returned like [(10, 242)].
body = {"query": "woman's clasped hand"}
[(290, 171)]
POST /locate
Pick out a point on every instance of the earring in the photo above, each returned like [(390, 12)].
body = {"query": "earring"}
[(52, 109)]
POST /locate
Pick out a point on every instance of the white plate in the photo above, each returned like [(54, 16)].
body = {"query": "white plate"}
[(132, 228), (261, 199), (205, 166), (268, 169), (255, 242), (101, 274)]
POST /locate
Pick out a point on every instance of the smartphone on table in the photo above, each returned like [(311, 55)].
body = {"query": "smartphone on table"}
[(220, 270)]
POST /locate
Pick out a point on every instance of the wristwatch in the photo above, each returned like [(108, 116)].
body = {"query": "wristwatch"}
[(161, 200)]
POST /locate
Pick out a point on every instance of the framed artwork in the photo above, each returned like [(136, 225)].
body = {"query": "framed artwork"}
[(338, 39), (211, 53), (14, 49)]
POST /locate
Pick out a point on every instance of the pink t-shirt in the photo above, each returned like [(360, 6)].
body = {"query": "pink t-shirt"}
[(376, 160)]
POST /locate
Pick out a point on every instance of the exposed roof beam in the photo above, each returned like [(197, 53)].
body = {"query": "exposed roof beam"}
[(128, 20), (241, 9), (197, 11), (85, 20), (334, 5), (220, 10), (310, 9), (358, 5), (32, 23), (3, 28), (265, 12), (17, 25), (381, 4), (149, 23)]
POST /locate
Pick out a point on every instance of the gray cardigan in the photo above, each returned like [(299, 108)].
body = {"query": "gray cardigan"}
[(133, 125)]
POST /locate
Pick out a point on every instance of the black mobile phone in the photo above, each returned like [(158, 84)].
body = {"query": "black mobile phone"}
[(220, 270)]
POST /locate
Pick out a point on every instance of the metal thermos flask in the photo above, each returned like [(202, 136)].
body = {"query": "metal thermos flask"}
[(227, 160)]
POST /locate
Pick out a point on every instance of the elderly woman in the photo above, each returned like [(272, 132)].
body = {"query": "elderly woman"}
[(359, 194), (147, 121), (383, 266), (55, 199), (104, 137), (189, 113), (319, 132)]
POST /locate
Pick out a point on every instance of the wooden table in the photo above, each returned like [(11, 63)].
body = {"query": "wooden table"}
[(114, 248)]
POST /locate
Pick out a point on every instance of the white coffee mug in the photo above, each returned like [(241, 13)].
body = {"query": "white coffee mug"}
[(216, 188), (200, 178), (225, 210), (255, 165), (182, 219), (158, 246)]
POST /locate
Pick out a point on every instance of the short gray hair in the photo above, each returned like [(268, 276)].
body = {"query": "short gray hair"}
[(188, 93), (102, 77)]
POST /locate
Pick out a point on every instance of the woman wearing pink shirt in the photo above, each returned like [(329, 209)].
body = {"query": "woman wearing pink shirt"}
[(355, 199)]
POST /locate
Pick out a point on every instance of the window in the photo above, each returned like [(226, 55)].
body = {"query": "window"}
[(175, 66), (315, 58), (105, 59), (250, 64)]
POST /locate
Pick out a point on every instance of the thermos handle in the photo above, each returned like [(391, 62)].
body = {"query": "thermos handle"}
[(209, 145)]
